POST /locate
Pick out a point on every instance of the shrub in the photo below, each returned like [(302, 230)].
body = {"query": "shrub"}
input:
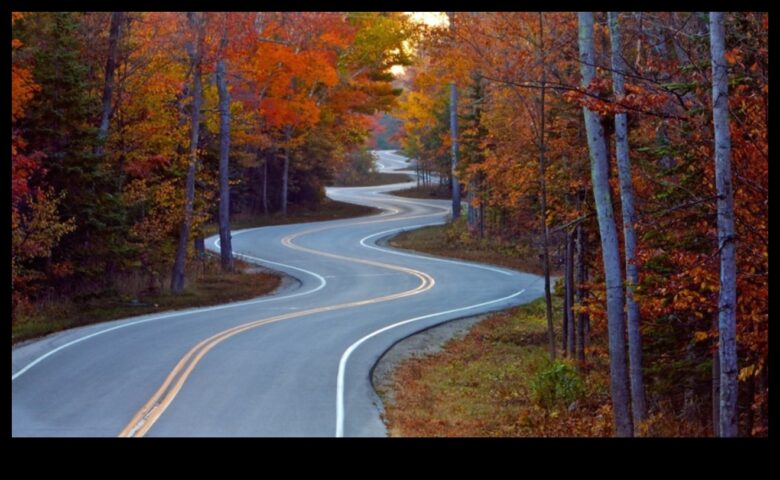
[(558, 384)]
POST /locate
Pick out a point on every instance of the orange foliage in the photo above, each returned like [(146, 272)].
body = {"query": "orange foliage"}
[(668, 99)]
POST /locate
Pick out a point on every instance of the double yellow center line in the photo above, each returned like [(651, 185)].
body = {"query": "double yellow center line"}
[(146, 417)]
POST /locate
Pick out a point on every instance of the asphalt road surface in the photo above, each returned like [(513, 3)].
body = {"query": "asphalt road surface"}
[(294, 363)]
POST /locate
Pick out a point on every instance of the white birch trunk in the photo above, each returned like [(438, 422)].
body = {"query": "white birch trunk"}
[(727, 301), (609, 241), (638, 402)]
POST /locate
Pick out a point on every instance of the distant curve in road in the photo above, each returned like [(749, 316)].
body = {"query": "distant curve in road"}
[(294, 363)]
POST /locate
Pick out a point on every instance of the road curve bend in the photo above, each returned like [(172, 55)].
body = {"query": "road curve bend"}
[(294, 363)]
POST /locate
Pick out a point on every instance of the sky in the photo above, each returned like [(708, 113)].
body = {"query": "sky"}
[(428, 18)]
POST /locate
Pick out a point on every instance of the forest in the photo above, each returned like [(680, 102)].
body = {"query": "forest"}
[(123, 124), (595, 139), (627, 151)]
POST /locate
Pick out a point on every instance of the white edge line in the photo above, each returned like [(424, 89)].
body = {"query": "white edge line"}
[(374, 247), (348, 352), (322, 284)]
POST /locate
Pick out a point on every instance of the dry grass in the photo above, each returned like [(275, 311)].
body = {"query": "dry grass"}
[(206, 285), (483, 384), (328, 210), (374, 179), (209, 287), (480, 386), (427, 192), (454, 240)]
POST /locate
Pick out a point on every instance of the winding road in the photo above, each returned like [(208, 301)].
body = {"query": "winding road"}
[(293, 363)]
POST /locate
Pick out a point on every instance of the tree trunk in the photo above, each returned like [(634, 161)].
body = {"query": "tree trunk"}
[(571, 337), (200, 252), (609, 241), (715, 386), (638, 402), (471, 212), (225, 244), (481, 207), (285, 170), (582, 319), (265, 185), (566, 311), (195, 52), (546, 251), (543, 201), (454, 138), (726, 234), (690, 407), (108, 84), (200, 246)]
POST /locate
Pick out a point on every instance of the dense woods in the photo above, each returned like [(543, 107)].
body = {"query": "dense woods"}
[(131, 131), (591, 138), (629, 151)]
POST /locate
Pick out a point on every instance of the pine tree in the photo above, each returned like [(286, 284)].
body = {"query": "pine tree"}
[(60, 122)]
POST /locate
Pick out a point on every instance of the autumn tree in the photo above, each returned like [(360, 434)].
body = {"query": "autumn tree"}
[(196, 23), (117, 18), (226, 249), (671, 258), (638, 404), (59, 122), (36, 225), (454, 138), (726, 234), (609, 240)]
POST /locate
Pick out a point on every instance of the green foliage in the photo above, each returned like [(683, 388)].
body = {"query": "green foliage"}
[(559, 384), (126, 199), (379, 43), (60, 122), (473, 131)]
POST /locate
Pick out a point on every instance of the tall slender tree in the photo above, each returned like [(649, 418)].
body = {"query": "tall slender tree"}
[(195, 52), (610, 252), (108, 82), (727, 301), (286, 168), (638, 403), (454, 138), (543, 194), (569, 295), (582, 317), (225, 244)]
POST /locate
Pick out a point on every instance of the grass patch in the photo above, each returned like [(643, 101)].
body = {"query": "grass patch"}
[(498, 380), (487, 385), (206, 284), (454, 240), (429, 191), (209, 287), (373, 179), (328, 210)]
